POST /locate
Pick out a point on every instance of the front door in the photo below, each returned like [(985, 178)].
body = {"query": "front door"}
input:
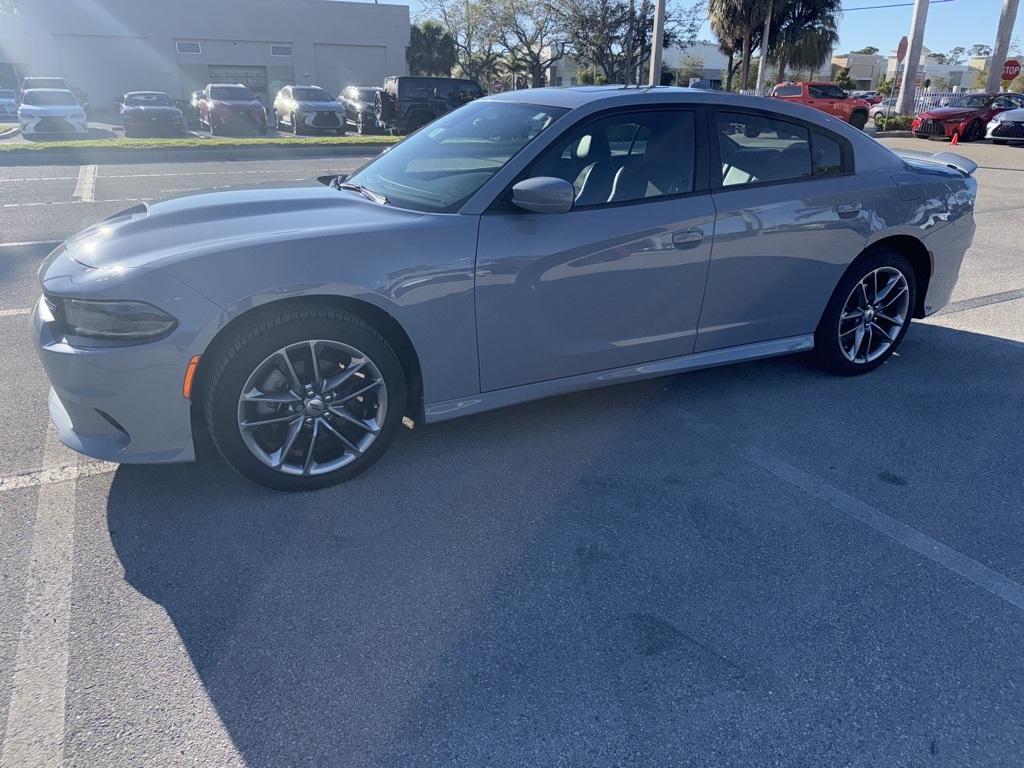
[(616, 281)]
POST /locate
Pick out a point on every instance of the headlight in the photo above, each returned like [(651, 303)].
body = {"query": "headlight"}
[(116, 320), (998, 118)]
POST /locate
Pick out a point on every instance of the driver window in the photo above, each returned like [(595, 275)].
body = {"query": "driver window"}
[(624, 157)]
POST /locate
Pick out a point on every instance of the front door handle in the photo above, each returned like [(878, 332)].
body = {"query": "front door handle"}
[(848, 210), (688, 239)]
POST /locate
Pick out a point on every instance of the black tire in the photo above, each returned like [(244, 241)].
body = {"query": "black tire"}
[(383, 108), (340, 130), (251, 345), (858, 120), (360, 124), (127, 133), (826, 337), (975, 130)]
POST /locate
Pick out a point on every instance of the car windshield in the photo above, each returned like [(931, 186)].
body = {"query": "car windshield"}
[(50, 99), (231, 93), (441, 166), (310, 94), (148, 100), (974, 101), (43, 82)]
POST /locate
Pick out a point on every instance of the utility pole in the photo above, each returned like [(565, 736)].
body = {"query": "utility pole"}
[(763, 64), (659, 32), (1002, 46), (908, 87)]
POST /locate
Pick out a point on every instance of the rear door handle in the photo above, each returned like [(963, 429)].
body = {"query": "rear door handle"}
[(848, 210), (688, 239)]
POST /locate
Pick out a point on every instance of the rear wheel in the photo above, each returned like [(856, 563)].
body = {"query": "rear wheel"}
[(858, 120), (975, 130), (305, 400), (868, 314)]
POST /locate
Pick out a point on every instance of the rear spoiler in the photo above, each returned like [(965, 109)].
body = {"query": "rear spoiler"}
[(965, 165)]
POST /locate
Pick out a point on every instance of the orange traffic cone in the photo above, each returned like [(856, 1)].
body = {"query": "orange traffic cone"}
[(956, 139)]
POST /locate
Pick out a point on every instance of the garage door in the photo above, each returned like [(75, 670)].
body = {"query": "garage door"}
[(255, 77), (338, 66)]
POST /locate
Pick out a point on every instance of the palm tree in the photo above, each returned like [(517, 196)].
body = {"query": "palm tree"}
[(723, 17), (741, 21), (805, 33)]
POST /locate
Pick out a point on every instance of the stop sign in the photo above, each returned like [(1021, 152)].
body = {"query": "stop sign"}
[(1011, 69)]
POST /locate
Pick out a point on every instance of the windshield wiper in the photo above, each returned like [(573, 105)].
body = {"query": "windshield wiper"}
[(369, 194)]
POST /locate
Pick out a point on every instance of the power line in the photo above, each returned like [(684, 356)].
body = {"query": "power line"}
[(892, 5)]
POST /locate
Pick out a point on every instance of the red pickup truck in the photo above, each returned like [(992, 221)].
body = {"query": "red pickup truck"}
[(827, 97)]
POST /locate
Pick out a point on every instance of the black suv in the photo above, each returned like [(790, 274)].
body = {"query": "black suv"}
[(405, 104), (359, 104)]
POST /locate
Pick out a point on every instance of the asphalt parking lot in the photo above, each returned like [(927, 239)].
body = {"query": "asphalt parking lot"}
[(749, 566)]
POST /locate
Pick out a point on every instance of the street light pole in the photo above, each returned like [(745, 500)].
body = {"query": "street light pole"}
[(763, 65), (654, 78), (1002, 46), (908, 86)]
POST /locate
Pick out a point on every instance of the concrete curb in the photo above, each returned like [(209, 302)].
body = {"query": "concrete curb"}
[(101, 156), (893, 134)]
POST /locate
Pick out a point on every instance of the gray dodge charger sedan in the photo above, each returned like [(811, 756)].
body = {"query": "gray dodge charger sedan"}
[(528, 244)]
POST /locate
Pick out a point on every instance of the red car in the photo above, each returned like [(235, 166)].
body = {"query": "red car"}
[(966, 116), (827, 97), (226, 108)]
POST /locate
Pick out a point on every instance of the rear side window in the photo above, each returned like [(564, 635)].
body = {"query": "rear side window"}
[(755, 149), (788, 90), (827, 155), (826, 92)]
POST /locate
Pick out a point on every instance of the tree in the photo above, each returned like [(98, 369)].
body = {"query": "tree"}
[(691, 67), (869, 50), (471, 26), (939, 58), (722, 15), (957, 56), (533, 29), (884, 86), (806, 32), (8, 7), (980, 80), (431, 50), (614, 36), (980, 49), (841, 77)]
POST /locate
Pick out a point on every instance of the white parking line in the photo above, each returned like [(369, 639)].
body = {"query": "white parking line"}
[(13, 312), (981, 575), (56, 474), (85, 189), (35, 717)]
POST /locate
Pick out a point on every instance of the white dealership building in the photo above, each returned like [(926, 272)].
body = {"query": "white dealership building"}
[(108, 47)]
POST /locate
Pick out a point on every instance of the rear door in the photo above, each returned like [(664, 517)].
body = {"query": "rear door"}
[(789, 219), (616, 281)]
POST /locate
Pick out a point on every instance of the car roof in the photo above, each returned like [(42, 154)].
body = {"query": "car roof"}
[(146, 93)]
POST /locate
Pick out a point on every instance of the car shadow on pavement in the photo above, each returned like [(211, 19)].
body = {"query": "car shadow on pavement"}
[(607, 579)]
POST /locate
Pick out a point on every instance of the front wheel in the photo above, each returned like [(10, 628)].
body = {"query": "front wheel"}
[(974, 132), (858, 120), (305, 399), (868, 314)]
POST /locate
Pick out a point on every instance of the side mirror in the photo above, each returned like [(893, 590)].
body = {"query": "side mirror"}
[(544, 194)]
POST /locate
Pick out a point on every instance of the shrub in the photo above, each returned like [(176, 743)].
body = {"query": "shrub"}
[(893, 122)]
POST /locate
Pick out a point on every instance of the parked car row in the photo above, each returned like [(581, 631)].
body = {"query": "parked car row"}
[(968, 118)]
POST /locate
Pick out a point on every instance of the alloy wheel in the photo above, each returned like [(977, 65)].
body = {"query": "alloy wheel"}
[(874, 315), (312, 407)]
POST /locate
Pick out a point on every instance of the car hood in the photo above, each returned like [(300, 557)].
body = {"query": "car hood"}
[(319, 105), (150, 110), (950, 113), (53, 110), (236, 104), (201, 225), (1012, 115)]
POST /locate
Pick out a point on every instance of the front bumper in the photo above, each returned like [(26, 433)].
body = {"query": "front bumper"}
[(160, 126), (57, 126), (323, 120), (119, 404), (1008, 131)]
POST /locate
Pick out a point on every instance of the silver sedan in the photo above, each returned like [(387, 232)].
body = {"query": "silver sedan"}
[(528, 244)]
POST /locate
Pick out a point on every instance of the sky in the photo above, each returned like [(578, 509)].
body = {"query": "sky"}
[(959, 22)]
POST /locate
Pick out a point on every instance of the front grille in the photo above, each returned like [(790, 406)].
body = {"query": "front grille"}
[(326, 120), (1009, 130), (54, 125)]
